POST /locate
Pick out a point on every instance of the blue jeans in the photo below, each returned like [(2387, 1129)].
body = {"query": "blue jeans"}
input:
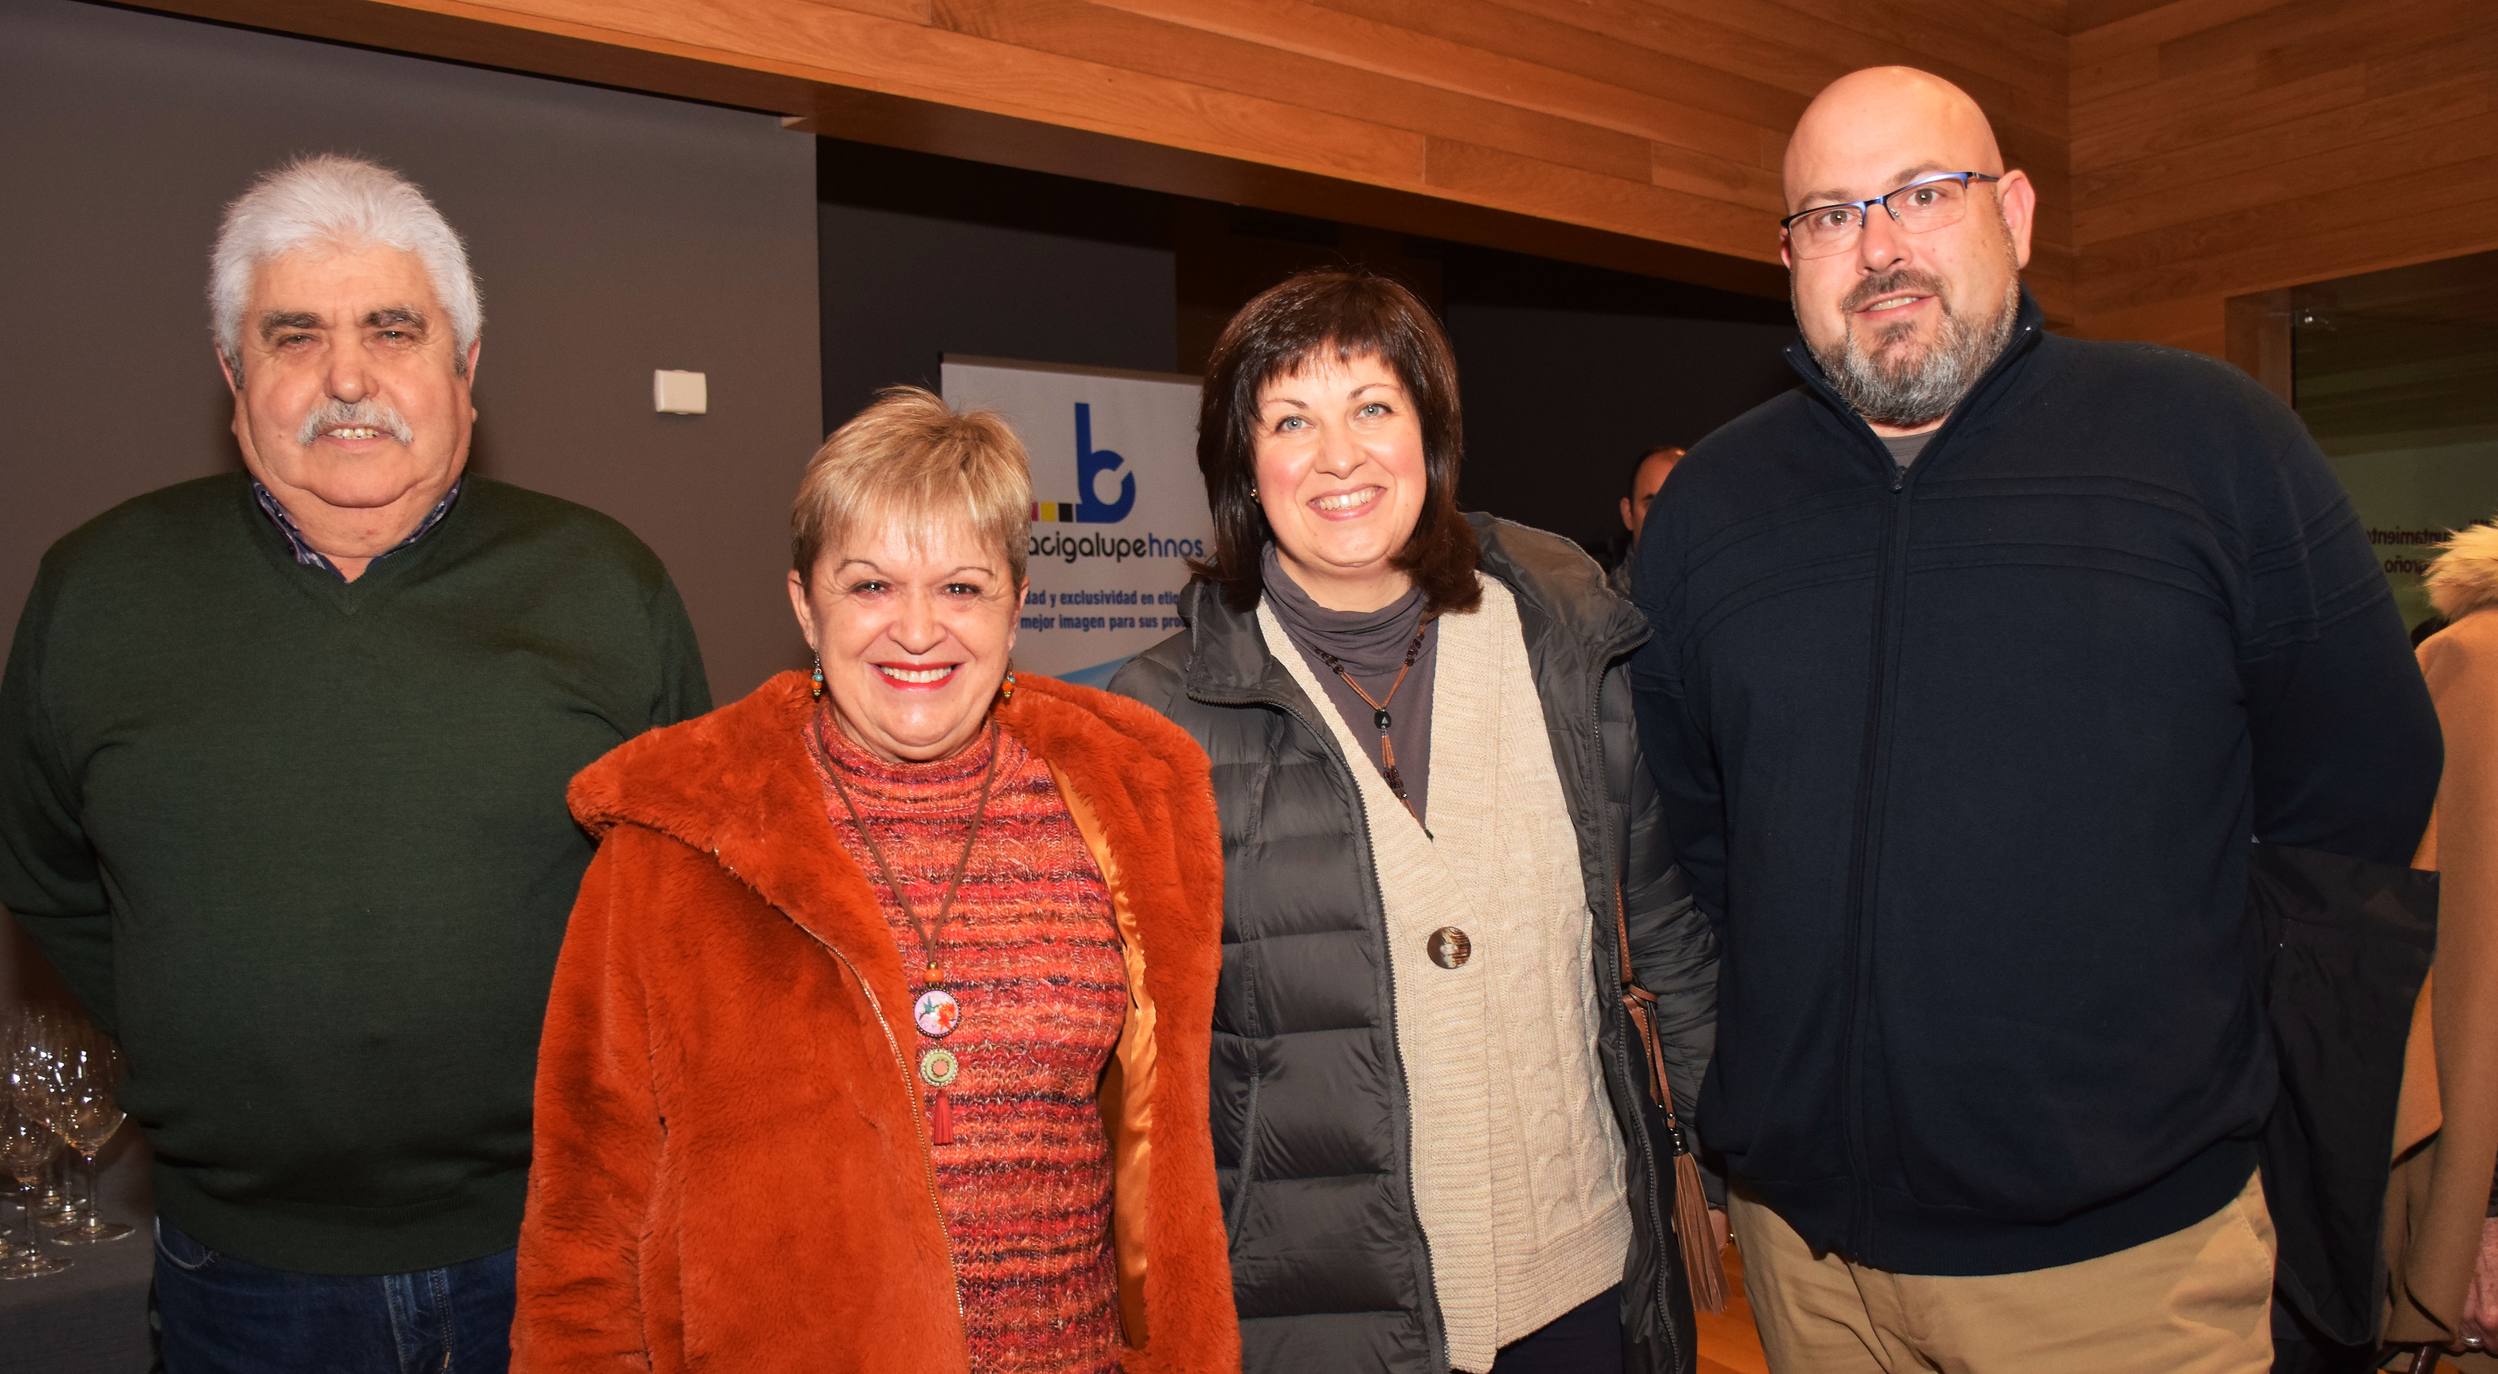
[(215, 1314)]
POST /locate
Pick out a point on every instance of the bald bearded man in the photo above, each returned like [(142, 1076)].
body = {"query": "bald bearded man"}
[(1981, 660)]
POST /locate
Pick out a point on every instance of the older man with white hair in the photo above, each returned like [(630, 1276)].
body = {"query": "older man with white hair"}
[(282, 769)]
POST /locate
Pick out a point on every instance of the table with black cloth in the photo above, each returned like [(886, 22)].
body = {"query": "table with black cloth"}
[(90, 1318)]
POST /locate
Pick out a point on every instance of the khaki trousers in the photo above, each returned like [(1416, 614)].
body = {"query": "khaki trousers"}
[(2198, 1301)]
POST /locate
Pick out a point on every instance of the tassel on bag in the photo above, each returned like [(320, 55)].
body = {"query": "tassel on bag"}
[(1703, 1266)]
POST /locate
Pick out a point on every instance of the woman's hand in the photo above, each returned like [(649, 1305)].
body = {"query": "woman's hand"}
[(1717, 1232), (2480, 1304)]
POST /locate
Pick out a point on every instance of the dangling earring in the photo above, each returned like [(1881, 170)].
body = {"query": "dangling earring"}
[(815, 690), (1006, 689)]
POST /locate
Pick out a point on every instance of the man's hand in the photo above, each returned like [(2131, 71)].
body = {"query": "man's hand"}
[(2480, 1304)]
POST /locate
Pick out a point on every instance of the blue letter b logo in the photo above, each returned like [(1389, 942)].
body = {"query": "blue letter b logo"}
[(1091, 463)]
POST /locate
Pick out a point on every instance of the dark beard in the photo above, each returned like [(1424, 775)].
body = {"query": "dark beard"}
[(1904, 391)]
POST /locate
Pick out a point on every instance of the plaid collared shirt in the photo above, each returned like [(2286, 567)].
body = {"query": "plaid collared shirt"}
[(311, 557)]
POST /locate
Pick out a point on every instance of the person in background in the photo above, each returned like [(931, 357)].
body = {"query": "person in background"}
[(1648, 473), (1446, 866), (879, 1040), (2442, 1223), (1981, 658), (282, 766)]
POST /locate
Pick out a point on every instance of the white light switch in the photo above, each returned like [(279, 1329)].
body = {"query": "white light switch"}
[(680, 393)]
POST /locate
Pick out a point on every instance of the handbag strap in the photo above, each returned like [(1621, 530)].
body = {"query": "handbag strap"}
[(1642, 1006), (1704, 1269)]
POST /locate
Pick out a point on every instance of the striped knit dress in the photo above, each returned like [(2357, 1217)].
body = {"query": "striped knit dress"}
[(1031, 952)]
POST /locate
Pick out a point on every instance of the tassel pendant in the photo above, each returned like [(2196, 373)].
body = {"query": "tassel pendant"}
[(938, 1068), (1387, 752), (1702, 1265)]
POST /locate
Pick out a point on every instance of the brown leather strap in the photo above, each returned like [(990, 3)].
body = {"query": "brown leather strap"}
[(1703, 1268), (1641, 1004)]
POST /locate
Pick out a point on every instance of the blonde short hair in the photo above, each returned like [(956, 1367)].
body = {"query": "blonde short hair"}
[(911, 459)]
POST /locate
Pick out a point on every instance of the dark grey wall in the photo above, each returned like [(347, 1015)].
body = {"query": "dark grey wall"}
[(1570, 373), (1567, 371), (1581, 393), (925, 256), (613, 233)]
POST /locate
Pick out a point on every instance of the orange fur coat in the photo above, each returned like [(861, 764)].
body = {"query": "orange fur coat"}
[(730, 1169)]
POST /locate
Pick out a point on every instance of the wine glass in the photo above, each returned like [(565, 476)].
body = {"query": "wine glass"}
[(11, 1249), (27, 1064), (86, 1112), (27, 1145)]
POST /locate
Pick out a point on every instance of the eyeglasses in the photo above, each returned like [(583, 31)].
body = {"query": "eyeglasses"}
[(1928, 203)]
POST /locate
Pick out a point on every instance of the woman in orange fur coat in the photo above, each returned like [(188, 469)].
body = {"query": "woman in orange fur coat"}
[(879, 1038)]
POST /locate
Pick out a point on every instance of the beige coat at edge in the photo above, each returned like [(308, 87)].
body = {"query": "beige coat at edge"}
[(2446, 1129)]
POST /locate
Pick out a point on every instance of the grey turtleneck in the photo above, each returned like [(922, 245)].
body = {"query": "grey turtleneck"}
[(1371, 645)]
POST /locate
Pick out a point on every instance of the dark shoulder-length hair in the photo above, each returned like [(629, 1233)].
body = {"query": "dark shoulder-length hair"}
[(1353, 314)]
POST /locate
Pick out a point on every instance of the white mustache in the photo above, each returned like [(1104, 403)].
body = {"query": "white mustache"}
[(365, 414)]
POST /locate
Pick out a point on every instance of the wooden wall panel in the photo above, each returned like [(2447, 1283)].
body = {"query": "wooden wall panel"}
[(2221, 148), (1612, 131)]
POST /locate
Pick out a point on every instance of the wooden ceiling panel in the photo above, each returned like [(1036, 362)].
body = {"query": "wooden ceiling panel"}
[(2103, 28), (1620, 130), (2228, 147), (1074, 28), (1487, 176), (2351, 213), (2224, 271), (1680, 169), (2402, 175), (2360, 125), (1667, 73), (2130, 128), (1311, 30)]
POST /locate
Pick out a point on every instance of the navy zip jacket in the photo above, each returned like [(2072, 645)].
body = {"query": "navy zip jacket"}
[(1966, 760)]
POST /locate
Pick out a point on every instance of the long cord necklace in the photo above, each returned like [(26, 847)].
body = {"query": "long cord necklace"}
[(937, 1012), (1379, 716)]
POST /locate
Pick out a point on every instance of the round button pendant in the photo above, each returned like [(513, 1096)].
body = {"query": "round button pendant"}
[(1450, 948), (937, 1013), (937, 1068)]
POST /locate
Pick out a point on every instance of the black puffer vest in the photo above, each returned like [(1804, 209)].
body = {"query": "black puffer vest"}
[(1311, 1122)]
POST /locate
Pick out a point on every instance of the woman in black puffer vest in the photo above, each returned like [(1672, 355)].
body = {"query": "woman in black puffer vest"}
[(1438, 1133)]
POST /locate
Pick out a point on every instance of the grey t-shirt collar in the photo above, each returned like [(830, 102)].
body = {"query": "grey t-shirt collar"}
[(1905, 447)]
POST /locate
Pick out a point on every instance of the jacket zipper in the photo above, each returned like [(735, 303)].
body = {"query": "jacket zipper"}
[(1860, 861), (919, 1114), (1435, 1334), (1892, 556), (1625, 1084)]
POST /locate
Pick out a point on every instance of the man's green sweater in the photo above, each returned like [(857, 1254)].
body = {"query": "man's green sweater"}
[(302, 844)]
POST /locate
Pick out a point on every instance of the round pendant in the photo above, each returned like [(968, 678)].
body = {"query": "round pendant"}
[(1380, 719), (937, 1068), (937, 1013), (1449, 947)]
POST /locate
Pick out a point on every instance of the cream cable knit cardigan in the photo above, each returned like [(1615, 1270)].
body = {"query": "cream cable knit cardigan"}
[(1518, 1169)]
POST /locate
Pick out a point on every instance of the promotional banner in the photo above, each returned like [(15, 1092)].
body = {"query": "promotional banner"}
[(1117, 505)]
